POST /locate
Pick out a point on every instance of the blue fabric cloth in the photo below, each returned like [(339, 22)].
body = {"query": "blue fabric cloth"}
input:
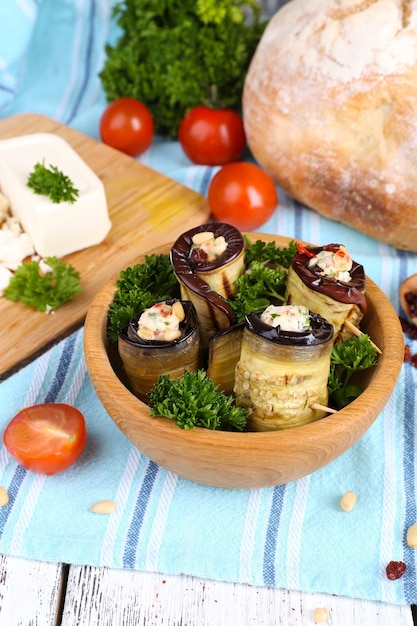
[(292, 536)]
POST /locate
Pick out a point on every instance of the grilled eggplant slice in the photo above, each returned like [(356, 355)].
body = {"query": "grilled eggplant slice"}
[(145, 359), (208, 280), (281, 373), (224, 353), (334, 299)]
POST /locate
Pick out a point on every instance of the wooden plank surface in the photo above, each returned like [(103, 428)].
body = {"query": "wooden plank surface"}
[(30, 592), (146, 208), (41, 594), (103, 597)]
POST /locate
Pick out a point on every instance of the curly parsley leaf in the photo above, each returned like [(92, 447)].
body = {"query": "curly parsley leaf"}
[(139, 287), (53, 183), (194, 400), (44, 291), (175, 55), (350, 356), (257, 287), (269, 252)]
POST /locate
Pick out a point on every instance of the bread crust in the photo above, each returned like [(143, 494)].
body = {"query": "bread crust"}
[(330, 111)]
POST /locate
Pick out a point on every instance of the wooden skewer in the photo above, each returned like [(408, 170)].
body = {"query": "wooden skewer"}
[(319, 407), (356, 331)]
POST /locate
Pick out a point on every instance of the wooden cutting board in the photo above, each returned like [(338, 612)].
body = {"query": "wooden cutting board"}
[(146, 208)]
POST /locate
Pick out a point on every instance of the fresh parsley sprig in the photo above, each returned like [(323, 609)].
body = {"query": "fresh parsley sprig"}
[(269, 252), (194, 400), (44, 291), (256, 288), (350, 356), (53, 183), (139, 287), (174, 55)]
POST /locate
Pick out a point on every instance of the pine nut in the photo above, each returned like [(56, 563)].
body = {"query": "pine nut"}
[(348, 502), (178, 310), (321, 615), (412, 536), (203, 237), (104, 507), (4, 496)]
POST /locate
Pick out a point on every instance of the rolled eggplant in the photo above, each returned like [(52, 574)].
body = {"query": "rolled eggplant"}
[(224, 353), (207, 261), (163, 339), (283, 367), (327, 281)]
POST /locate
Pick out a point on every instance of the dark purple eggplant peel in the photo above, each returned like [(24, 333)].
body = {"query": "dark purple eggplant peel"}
[(208, 284)]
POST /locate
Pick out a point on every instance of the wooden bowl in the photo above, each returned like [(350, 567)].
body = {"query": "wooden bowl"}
[(244, 460)]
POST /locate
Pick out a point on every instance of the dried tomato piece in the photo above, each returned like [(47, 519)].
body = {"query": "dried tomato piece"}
[(408, 328), (411, 299), (395, 569), (414, 360), (407, 353)]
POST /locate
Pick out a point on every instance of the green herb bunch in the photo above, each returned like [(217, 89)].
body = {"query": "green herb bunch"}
[(53, 183), (194, 400), (269, 252), (176, 54), (265, 278), (139, 287), (353, 355), (44, 291)]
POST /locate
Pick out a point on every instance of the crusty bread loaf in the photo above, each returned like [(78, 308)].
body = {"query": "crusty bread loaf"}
[(330, 111)]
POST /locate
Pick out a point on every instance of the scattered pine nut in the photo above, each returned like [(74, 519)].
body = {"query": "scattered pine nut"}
[(348, 502), (412, 536), (104, 507), (4, 496), (321, 615)]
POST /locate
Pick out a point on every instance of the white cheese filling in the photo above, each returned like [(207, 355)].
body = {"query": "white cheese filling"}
[(333, 264), (161, 322), (212, 246), (289, 318)]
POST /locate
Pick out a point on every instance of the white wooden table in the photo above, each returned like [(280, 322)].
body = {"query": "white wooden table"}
[(49, 594)]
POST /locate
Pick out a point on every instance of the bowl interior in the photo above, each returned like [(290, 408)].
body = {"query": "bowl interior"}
[(244, 460)]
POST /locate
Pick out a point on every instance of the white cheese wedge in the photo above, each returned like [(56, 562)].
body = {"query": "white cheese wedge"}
[(55, 229)]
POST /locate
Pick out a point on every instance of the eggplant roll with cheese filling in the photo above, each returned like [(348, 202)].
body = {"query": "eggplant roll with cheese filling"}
[(283, 367), (163, 339), (207, 261), (327, 281)]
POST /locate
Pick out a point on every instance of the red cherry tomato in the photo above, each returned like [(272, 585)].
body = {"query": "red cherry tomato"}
[(212, 136), (46, 438), (243, 195), (128, 126)]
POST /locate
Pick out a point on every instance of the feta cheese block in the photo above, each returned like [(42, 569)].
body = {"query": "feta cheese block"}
[(56, 229)]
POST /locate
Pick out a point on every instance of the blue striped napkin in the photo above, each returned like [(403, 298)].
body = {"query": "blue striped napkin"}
[(292, 536)]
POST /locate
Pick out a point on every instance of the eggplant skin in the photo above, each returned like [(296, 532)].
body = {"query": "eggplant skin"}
[(335, 311), (224, 353), (278, 383), (209, 285), (144, 361)]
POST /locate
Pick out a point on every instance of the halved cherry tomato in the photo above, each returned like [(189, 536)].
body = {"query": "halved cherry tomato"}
[(127, 125), (243, 195), (46, 438), (212, 136)]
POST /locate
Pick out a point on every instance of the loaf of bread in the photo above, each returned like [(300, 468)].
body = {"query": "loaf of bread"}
[(330, 111)]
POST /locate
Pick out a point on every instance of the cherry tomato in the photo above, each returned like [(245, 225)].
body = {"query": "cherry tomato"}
[(46, 438), (127, 125), (212, 136), (243, 195)]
